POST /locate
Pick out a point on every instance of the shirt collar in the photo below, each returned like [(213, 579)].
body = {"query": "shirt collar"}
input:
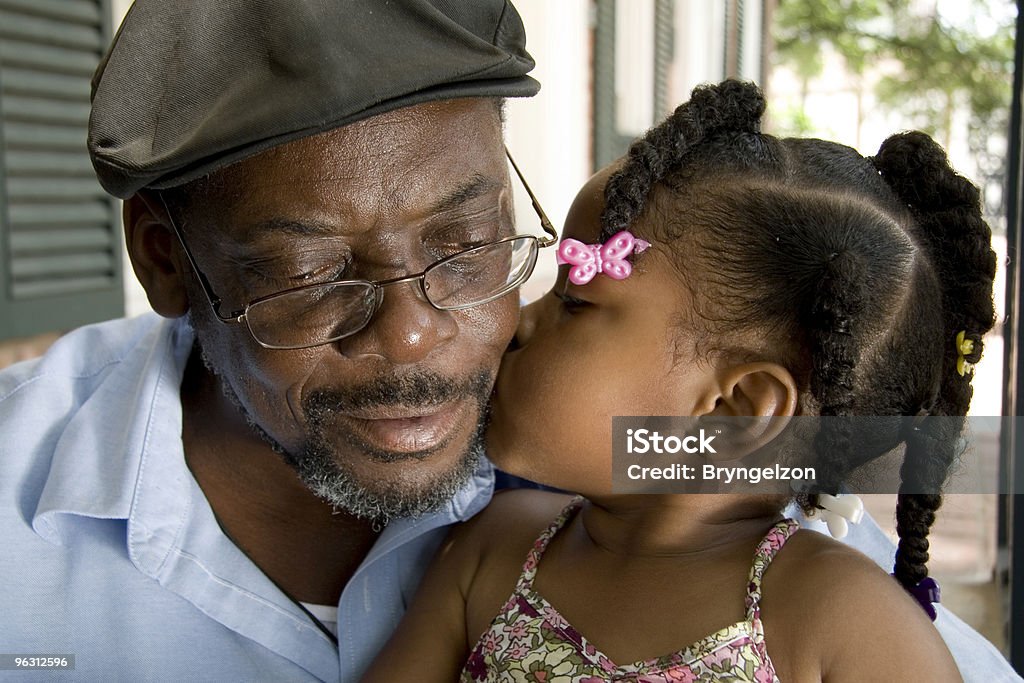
[(470, 500), (96, 460)]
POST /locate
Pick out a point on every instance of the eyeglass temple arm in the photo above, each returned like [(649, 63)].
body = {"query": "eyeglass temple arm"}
[(544, 221), (215, 300)]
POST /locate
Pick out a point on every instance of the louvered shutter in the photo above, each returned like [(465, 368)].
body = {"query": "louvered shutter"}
[(60, 253), (609, 141)]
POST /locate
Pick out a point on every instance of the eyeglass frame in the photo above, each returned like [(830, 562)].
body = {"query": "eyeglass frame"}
[(240, 315)]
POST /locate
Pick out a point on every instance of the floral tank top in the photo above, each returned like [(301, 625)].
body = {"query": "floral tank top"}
[(530, 641)]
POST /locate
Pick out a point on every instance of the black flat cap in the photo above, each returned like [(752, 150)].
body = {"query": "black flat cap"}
[(190, 86)]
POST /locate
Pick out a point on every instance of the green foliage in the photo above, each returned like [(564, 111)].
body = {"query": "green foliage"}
[(793, 121), (932, 65)]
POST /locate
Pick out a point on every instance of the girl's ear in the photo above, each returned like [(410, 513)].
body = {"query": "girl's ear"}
[(753, 406), (151, 249), (758, 389)]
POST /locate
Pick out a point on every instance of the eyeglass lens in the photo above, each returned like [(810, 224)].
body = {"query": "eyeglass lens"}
[(320, 314)]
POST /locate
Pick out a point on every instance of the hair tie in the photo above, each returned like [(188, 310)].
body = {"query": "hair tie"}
[(838, 512), (927, 593), (587, 260)]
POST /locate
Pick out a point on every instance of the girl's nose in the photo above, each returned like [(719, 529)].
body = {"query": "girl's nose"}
[(529, 318)]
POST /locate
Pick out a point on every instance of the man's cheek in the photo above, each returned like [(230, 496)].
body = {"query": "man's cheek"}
[(492, 324), (261, 384)]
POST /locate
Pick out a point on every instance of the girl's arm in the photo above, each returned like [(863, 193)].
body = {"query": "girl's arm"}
[(888, 635), (833, 614), (430, 643), (469, 580)]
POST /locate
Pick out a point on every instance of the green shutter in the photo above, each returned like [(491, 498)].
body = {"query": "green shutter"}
[(60, 242)]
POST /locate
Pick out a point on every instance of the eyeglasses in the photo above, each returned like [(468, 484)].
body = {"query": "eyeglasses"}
[(311, 315)]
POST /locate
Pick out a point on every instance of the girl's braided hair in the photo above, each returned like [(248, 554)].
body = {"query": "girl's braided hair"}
[(856, 274)]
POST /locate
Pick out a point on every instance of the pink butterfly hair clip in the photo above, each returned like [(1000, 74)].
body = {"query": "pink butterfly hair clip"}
[(587, 260)]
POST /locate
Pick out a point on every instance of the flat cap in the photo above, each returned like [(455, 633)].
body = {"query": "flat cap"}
[(190, 86)]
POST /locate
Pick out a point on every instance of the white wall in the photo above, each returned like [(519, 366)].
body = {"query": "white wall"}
[(700, 45), (549, 135)]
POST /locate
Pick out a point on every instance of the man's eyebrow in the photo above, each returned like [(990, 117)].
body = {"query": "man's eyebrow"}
[(476, 186)]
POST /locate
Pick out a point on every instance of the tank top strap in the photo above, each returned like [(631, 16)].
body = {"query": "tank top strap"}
[(541, 544), (766, 551)]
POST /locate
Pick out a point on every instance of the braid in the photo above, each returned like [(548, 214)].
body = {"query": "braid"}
[(947, 210), (731, 106), (857, 277), (831, 333)]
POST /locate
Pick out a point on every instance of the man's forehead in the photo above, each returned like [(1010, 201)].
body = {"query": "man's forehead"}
[(400, 168), (391, 148)]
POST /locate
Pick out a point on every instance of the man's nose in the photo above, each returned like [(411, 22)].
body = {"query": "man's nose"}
[(405, 329)]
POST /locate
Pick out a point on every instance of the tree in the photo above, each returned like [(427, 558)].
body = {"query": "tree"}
[(934, 60)]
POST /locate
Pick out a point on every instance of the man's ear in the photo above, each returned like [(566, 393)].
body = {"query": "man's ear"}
[(152, 250), (764, 393)]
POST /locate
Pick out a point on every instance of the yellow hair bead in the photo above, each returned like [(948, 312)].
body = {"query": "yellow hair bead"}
[(964, 347)]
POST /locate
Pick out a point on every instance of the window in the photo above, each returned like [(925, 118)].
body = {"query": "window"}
[(60, 254), (633, 48)]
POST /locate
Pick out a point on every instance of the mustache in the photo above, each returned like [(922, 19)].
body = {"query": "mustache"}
[(417, 389)]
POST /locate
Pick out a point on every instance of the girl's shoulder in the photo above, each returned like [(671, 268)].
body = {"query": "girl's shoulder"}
[(513, 521), (495, 542), (833, 578), (830, 608), (525, 504), (501, 537)]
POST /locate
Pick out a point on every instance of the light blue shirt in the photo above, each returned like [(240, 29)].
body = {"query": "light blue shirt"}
[(109, 551)]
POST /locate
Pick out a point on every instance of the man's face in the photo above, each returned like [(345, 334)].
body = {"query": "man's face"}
[(384, 422)]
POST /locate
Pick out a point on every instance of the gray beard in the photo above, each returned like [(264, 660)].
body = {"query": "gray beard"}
[(378, 501), (382, 501)]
